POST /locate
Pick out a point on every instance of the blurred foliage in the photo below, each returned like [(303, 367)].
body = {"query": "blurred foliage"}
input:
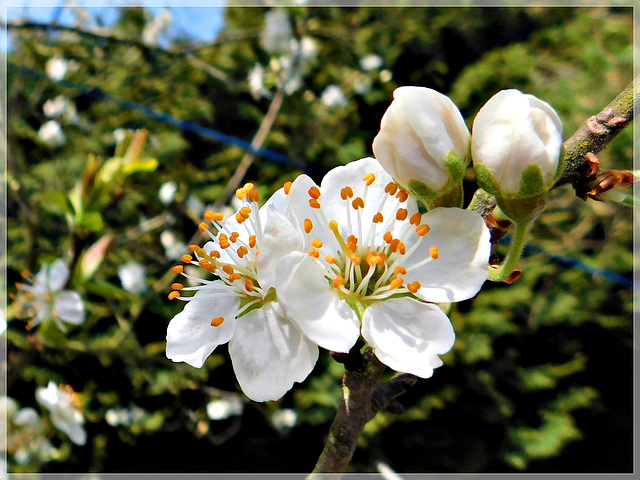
[(540, 377)]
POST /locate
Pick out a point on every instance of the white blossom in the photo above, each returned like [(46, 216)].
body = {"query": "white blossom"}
[(63, 405), (56, 68), (419, 133), (370, 62), (276, 35), (132, 277), (333, 96), (268, 352), (51, 133), (43, 298), (284, 418), (223, 408), (371, 264), (514, 133), (167, 192)]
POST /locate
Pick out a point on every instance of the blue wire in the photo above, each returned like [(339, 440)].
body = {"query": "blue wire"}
[(168, 119)]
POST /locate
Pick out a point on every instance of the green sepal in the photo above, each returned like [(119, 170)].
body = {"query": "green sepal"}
[(531, 182), (456, 166), (450, 195), (523, 209), (485, 180)]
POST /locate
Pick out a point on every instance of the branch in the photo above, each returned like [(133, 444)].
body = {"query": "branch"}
[(106, 34), (595, 134)]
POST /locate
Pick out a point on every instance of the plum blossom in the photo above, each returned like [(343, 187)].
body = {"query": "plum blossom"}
[(51, 134), (223, 408), (56, 68), (333, 96), (268, 351), (44, 299), (24, 439), (132, 277), (64, 409), (372, 265)]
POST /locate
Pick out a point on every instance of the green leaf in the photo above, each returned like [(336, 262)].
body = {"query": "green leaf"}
[(92, 221), (56, 201), (140, 165)]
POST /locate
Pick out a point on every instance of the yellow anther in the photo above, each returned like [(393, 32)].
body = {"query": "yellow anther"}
[(177, 269), (402, 213), (316, 243), (402, 195), (374, 259), (338, 281), (355, 259), (228, 269), (216, 322), (223, 238), (352, 239), (203, 226), (313, 203), (240, 218), (208, 215), (240, 194), (248, 285), (234, 237), (369, 178), (186, 258), (194, 248), (422, 230), (245, 211), (252, 241), (399, 271), (388, 237), (395, 283), (204, 264), (218, 217), (173, 295), (394, 244), (247, 187), (391, 188), (378, 218), (254, 196), (346, 193), (201, 253), (314, 192), (214, 254), (414, 287), (308, 225), (330, 260), (401, 248), (234, 276), (433, 251), (357, 203), (314, 253), (242, 251), (415, 219), (287, 187), (177, 286)]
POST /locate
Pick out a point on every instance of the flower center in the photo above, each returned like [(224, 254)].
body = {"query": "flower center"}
[(232, 258), (367, 266), (33, 304)]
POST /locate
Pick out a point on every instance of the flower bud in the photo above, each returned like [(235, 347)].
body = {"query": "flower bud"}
[(423, 142), (515, 145)]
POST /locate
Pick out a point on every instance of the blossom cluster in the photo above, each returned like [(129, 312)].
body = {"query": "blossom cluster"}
[(355, 258)]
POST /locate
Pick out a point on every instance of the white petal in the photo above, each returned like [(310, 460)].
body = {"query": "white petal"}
[(269, 354), (48, 396), (70, 307), (297, 205), (408, 335), (462, 265), (313, 305), (279, 238), (27, 416), (70, 422), (190, 336), (58, 274)]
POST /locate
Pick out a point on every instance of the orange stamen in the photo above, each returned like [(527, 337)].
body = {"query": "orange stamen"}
[(186, 258), (234, 276), (402, 195), (395, 283), (308, 225), (173, 295), (316, 243), (177, 286), (399, 271), (313, 203), (314, 192), (433, 251), (369, 178), (177, 269), (331, 260), (402, 213), (414, 287), (357, 203), (391, 188), (248, 285), (314, 253), (228, 269), (252, 241), (346, 193), (216, 322), (378, 218), (194, 248), (287, 187), (415, 219), (338, 281), (203, 226), (422, 230)]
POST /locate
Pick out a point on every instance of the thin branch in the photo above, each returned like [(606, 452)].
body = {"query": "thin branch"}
[(109, 35), (595, 134)]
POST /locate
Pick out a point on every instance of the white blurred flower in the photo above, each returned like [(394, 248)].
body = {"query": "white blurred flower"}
[(44, 299), (256, 80), (156, 27), (132, 277), (386, 472), (284, 418), (370, 62), (124, 416), (293, 84), (173, 248), (386, 76), (167, 192), (308, 48), (56, 68), (222, 408), (333, 96), (24, 439), (61, 107), (51, 134), (119, 134), (195, 205), (276, 35), (64, 409)]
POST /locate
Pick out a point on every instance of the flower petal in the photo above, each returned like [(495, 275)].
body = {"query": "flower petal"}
[(408, 335), (190, 336), (70, 307), (57, 275), (462, 265), (279, 238), (310, 302), (269, 353)]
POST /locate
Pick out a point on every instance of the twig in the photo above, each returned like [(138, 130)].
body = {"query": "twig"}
[(595, 134), (109, 35)]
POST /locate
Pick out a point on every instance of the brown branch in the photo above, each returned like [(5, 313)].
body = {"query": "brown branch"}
[(594, 135), (108, 35)]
